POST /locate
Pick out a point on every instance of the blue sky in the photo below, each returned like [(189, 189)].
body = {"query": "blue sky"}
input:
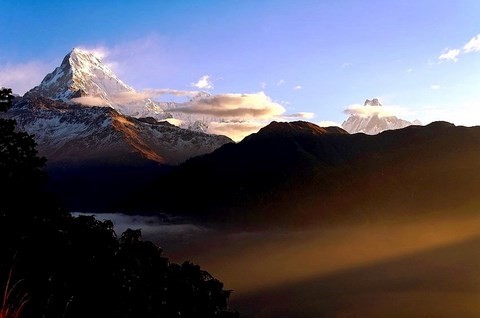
[(308, 56)]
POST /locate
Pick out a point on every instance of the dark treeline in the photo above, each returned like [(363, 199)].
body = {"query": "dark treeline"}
[(55, 265)]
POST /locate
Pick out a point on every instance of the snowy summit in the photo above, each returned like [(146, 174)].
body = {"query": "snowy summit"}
[(371, 120), (83, 78)]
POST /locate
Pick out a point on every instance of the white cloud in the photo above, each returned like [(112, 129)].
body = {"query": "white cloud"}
[(100, 52), (174, 121), (380, 111), (90, 101), (281, 82), (125, 98), (449, 55), (328, 123), (23, 76), (203, 83), (298, 87), (233, 105), (236, 115), (263, 85), (410, 70), (452, 54), (473, 45), (435, 87)]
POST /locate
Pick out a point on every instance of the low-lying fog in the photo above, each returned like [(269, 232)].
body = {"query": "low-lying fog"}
[(427, 267)]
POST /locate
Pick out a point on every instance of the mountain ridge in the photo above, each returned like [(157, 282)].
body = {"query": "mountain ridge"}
[(302, 179)]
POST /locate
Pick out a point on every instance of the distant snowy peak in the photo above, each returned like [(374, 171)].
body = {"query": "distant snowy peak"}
[(374, 123), (83, 78)]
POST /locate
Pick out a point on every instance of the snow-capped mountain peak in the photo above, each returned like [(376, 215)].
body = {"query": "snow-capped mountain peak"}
[(84, 78), (374, 123), (82, 74)]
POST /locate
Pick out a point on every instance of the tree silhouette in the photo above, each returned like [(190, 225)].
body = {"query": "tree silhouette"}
[(6, 98), (76, 266), (154, 287), (21, 170)]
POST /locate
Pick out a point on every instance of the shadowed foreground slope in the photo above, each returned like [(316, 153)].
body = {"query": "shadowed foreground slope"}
[(55, 265)]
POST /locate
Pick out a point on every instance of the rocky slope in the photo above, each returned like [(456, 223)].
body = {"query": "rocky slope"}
[(69, 133)]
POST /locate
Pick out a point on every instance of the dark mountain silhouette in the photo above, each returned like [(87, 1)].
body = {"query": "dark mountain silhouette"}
[(299, 173)]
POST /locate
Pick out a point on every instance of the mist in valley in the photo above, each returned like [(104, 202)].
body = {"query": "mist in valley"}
[(424, 266)]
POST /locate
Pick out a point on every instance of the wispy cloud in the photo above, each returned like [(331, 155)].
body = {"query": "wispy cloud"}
[(449, 55), (101, 52), (281, 82), (380, 111), (297, 87), (129, 97), (300, 115), (473, 45), (23, 76), (90, 101), (104, 54), (158, 92), (141, 62), (435, 87), (204, 82)]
